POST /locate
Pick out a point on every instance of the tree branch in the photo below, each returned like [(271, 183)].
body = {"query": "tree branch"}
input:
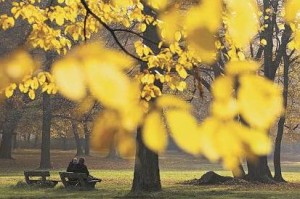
[(112, 31)]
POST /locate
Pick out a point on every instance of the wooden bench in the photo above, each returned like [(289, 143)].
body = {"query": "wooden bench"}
[(77, 180), (40, 178)]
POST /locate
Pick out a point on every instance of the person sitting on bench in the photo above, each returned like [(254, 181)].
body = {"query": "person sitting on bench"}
[(72, 165), (82, 168)]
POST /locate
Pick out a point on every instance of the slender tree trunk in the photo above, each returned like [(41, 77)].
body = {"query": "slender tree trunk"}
[(45, 162), (28, 139), (146, 170), (277, 166), (87, 144), (36, 139), (15, 141), (11, 121), (260, 171), (241, 174), (64, 143), (86, 139), (113, 154), (6, 146), (77, 139)]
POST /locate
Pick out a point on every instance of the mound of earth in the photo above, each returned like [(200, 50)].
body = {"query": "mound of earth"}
[(212, 178)]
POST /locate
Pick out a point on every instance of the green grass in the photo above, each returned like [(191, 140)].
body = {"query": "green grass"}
[(117, 177), (118, 183)]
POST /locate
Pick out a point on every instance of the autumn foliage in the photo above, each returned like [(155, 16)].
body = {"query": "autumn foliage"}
[(244, 105)]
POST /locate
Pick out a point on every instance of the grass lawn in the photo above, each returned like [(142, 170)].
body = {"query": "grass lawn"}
[(117, 177)]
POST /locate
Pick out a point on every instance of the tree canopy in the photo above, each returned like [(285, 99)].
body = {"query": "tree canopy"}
[(192, 37)]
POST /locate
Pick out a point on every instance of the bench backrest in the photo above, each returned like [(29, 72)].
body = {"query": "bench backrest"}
[(42, 174)]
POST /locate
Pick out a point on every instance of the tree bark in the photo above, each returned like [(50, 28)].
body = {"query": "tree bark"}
[(36, 139), (241, 174), (259, 171), (45, 162), (146, 170), (77, 139), (15, 141), (86, 139), (286, 64), (46, 127), (64, 143), (6, 146), (113, 154), (11, 121)]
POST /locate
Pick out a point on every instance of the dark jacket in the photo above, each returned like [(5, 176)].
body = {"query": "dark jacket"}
[(71, 167), (81, 168)]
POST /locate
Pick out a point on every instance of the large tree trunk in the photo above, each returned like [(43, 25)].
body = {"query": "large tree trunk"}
[(77, 139), (278, 175), (146, 170), (46, 127), (259, 170)]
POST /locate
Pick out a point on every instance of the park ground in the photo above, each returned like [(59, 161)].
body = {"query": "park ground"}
[(117, 176)]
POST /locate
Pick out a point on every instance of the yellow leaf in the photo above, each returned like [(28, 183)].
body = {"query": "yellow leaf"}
[(142, 27), (126, 145), (170, 25), (9, 92), (34, 84), (225, 109), (242, 20), (184, 130), (181, 86), (41, 78), (181, 71), (222, 88), (258, 141), (292, 10), (263, 42), (18, 65), (85, 106), (241, 67), (154, 133), (171, 101), (104, 130), (109, 85), (70, 78), (178, 36), (158, 4), (31, 94), (208, 129), (259, 100)]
